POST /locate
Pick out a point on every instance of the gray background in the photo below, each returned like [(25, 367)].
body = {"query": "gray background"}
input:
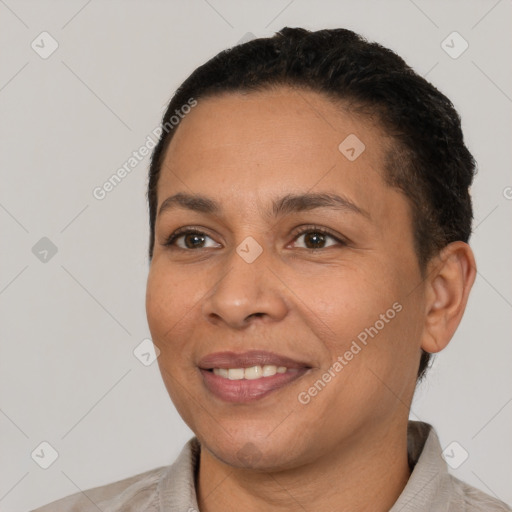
[(69, 325)]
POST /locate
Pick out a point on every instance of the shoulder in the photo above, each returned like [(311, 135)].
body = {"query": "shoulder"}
[(163, 488), (431, 486), (470, 499), (137, 492)]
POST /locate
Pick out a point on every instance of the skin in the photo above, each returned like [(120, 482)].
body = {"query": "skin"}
[(346, 449)]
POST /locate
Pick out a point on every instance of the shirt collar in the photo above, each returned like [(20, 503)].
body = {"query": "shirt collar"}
[(430, 478)]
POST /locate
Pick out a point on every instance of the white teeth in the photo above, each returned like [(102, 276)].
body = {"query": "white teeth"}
[(235, 373), (269, 370), (252, 373)]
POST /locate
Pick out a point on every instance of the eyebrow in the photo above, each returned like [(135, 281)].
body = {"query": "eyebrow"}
[(280, 206)]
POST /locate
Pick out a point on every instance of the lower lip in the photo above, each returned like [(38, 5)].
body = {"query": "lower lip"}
[(244, 390)]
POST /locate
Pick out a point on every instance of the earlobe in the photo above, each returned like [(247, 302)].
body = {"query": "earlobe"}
[(449, 280)]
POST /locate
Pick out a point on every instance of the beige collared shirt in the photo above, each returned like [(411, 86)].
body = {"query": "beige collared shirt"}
[(172, 489)]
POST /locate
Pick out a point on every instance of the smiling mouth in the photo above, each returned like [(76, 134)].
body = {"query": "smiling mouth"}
[(241, 378)]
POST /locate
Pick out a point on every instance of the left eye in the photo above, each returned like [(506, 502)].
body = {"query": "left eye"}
[(316, 238)]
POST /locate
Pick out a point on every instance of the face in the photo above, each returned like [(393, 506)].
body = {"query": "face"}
[(275, 275)]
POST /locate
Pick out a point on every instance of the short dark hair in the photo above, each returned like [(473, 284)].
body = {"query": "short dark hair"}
[(428, 160)]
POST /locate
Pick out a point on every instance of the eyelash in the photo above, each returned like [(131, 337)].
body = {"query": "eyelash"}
[(170, 242)]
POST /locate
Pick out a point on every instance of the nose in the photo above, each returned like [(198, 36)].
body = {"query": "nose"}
[(245, 292)]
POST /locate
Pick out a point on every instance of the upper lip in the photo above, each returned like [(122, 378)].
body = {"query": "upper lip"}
[(247, 359)]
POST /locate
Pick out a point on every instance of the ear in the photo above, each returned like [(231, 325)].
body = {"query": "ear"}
[(450, 276)]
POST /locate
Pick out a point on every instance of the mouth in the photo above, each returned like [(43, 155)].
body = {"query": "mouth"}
[(248, 376)]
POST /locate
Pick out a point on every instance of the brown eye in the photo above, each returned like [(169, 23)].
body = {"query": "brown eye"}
[(316, 238), (313, 240), (192, 239)]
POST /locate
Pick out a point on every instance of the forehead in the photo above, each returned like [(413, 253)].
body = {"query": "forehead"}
[(300, 121), (275, 142)]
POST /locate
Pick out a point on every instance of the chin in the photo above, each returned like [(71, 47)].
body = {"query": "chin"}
[(255, 452)]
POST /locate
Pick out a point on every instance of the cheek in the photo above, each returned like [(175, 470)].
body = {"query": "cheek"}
[(168, 301), (364, 316), (347, 299)]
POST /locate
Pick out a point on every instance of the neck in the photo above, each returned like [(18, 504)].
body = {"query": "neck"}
[(368, 473)]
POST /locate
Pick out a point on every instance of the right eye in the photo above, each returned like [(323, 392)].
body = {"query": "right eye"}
[(192, 238)]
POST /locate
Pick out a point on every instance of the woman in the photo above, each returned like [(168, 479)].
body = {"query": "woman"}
[(309, 219)]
